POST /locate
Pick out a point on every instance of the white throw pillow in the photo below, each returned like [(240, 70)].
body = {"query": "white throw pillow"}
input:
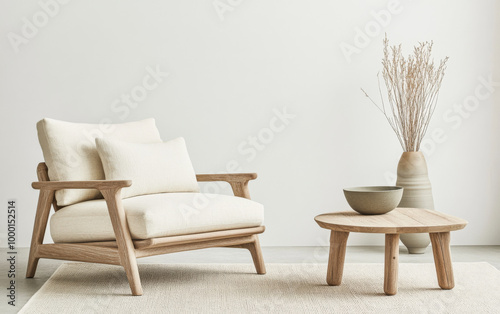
[(70, 153), (153, 168)]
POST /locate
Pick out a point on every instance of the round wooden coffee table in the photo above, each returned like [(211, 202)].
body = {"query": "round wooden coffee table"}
[(400, 220)]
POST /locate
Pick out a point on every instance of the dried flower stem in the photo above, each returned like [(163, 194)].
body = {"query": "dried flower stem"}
[(412, 88)]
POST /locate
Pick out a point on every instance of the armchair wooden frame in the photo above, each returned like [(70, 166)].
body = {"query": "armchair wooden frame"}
[(125, 251)]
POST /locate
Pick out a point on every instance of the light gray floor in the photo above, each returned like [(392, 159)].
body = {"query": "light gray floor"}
[(25, 288)]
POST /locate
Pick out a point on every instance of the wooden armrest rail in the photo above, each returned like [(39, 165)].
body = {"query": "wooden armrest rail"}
[(228, 177), (238, 181), (93, 184)]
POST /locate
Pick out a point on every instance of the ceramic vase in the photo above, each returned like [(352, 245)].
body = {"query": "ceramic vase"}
[(413, 176)]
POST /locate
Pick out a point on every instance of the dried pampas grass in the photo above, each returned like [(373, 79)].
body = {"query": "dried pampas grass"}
[(412, 88)]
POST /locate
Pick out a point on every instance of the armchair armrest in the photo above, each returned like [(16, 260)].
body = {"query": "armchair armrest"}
[(93, 184), (238, 181), (228, 177), (110, 189)]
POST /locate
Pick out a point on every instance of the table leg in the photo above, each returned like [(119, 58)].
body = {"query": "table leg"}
[(338, 242), (391, 264), (442, 259)]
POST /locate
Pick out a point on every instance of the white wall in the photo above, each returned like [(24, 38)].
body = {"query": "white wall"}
[(227, 76)]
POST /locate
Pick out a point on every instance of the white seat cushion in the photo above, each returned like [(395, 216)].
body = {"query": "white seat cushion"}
[(156, 215)]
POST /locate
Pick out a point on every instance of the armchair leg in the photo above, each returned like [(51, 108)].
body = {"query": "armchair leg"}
[(258, 259), (32, 265), (130, 264), (124, 242), (254, 248), (42, 215)]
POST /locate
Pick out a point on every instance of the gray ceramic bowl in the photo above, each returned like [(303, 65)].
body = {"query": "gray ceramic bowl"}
[(373, 200)]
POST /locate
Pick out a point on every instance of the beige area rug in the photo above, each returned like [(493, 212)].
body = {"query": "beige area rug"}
[(286, 288)]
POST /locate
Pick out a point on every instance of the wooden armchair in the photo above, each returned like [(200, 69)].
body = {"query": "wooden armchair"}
[(124, 251)]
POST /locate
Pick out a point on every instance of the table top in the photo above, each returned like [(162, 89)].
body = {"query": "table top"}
[(399, 220)]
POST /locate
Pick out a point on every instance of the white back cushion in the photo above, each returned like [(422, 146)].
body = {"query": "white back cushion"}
[(153, 168), (70, 153)]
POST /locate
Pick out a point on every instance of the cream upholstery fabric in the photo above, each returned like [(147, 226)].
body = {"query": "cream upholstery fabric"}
[(70, 153), (156, 215), (153, 168)]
